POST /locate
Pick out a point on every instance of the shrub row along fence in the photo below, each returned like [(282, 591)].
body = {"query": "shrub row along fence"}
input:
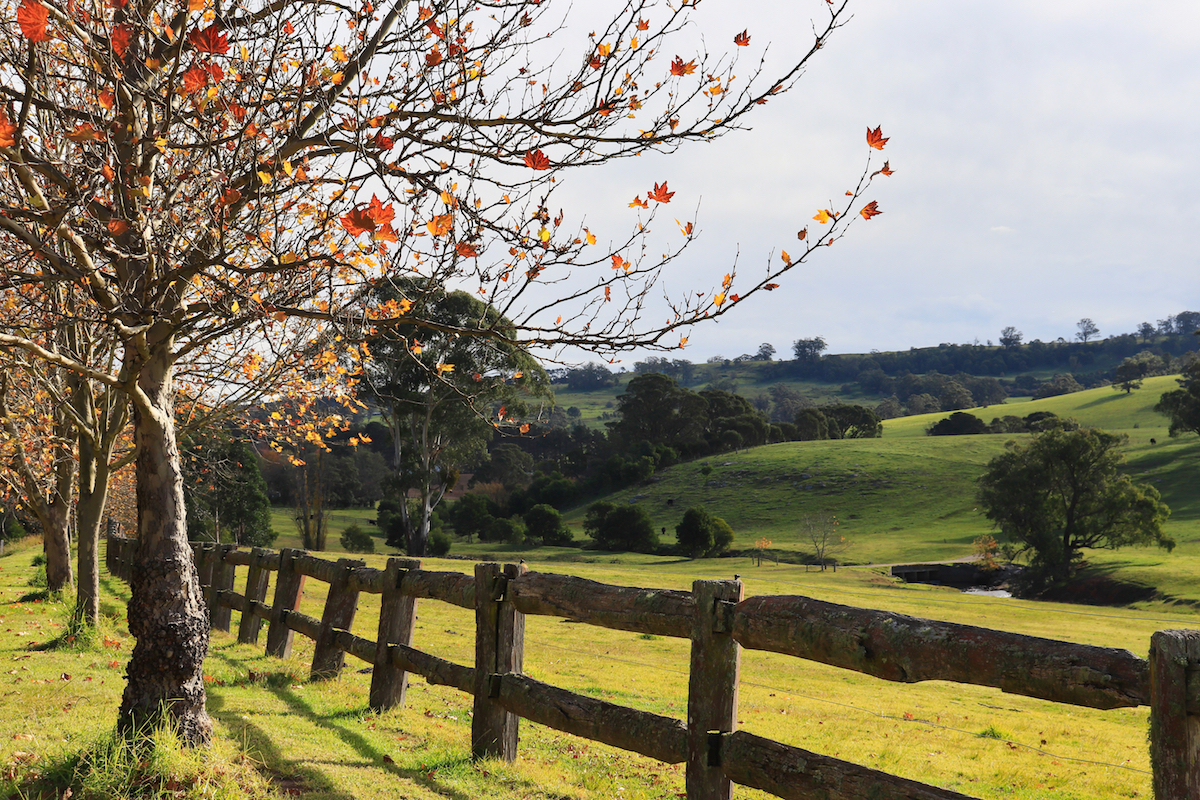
[(719, 621)]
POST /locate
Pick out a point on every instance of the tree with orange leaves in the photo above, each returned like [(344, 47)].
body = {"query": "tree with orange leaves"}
[(223, 182)]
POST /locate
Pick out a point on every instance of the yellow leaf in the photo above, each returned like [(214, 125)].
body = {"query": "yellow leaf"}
[(786, 258), (195, 5), (544, 235), (287, 167), (235, 306), (288, 258), (591, 237), (823, 216), (719, 299), (442, 368), (265, 177)]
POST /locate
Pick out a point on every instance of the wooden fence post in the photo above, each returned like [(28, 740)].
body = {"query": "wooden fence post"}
[(256, 592), (223, 575), (396, 615), (288, 586), (499, 648), (340, 606), (712, 688), (1174, 733), (202, 552)]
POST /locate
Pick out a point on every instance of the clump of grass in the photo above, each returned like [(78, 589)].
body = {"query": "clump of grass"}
[(992, 732), (151, 764)]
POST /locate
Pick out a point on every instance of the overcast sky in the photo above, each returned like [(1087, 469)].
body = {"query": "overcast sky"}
[(1046, 170)]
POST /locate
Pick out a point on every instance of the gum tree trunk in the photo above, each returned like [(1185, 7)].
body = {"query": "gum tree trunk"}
[(167, 612)]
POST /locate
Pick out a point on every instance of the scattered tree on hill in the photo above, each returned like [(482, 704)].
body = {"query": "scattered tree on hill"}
[(808, 351), (701, 535), (847, 421), (1087, 329), (1060, 384), (655, 409), (1146, 331), (821, 532), (1128, 376), (960, 423), (1011, 337), (766, 351), (1063, 492), (954, 396), (1182, 406)]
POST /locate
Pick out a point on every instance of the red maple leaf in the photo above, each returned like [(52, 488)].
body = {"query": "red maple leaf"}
[(678, 67), (870, 210), (382, 142), (466, 250), (770, 287), (32, 16), (121, 34), (433, 57), (209, 40), (875, 138), (536, 159), (887, 170), (660, 193), (643, 25), (742, 39), (7, 131), (358, 220)]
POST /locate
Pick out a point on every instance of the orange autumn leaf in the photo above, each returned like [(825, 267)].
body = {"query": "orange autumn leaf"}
[(719, 299), (525, 428), (440, 225), (802, 234), (870, 210), (209, 40), (875, 138), (374, 219), (433, 57), (199, 75), (660, 193), (639, 202), (618, 262), (382, 142), (107, 100), (887, 170), (607, 293), (536, 159), (84, 132), (685, 229), (117, 227), (823, 216), (742, 39), (678, 67), (786, 258), (643, 25), (7, 131), (466, 250), (121, 34), (195, 5), (770, 287), (32, 17), (108, 172)]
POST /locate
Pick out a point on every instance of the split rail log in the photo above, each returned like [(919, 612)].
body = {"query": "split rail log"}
[(907, 649), (718, 621)]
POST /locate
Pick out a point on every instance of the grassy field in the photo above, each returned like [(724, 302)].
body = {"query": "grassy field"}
[(321, 741)]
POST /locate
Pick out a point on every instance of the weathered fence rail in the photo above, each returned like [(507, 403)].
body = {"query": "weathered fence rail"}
[(719, 622)]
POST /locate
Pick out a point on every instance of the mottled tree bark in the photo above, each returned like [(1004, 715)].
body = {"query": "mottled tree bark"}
[(167, 612)]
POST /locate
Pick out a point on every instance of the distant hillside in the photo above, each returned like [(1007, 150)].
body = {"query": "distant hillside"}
[(911, 497)]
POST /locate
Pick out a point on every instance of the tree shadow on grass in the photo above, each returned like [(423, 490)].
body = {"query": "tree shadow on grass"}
[(259, 742), (1099, 401)]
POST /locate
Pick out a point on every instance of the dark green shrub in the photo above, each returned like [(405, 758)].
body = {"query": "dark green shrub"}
[(356, 540), (439, 543), (545, 523), (621, 527), (701, 535)]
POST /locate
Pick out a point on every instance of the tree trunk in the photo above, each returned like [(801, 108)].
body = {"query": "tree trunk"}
[(93, 496), (167, 612)]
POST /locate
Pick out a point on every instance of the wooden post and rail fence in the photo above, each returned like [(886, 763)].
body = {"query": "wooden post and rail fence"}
[(719, 621)]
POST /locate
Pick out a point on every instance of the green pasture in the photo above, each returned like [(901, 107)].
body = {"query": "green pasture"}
[(319, 740)]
